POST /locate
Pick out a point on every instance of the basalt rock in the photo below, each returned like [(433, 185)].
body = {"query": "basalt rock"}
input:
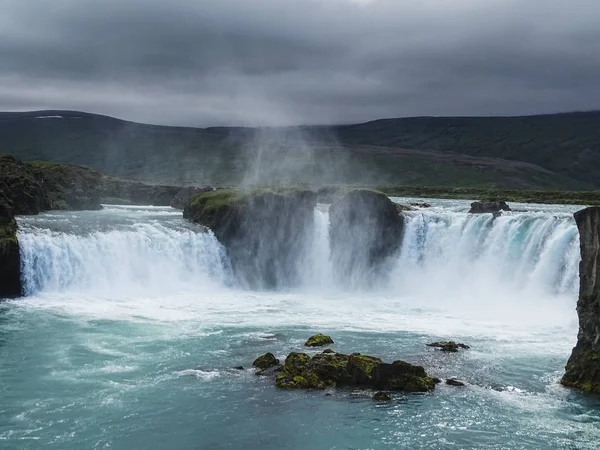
[(583, 367), (325, 370), (382, 397), (401, 376), (318, 340), (365, 232), (488, 207), (264, 232), (449, 346), (454, 382), (265, 361)]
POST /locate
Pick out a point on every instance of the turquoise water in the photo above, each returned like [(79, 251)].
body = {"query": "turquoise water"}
[(131, 330)]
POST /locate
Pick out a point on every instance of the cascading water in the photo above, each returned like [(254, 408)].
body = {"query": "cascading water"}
[(141, 252), (532, 252)]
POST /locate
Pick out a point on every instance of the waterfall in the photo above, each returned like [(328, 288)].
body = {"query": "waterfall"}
[(443, 253)]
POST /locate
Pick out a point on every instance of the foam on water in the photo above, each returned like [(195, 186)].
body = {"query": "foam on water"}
[(454, 268)]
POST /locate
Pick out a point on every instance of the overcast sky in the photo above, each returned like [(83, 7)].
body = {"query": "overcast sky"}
[(277, 62)]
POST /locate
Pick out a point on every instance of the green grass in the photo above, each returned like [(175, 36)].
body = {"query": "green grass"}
[(585, 198)]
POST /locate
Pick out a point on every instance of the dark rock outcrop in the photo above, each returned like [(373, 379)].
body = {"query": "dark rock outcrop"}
[(382, 397), (324, 370), (401, 376), (365, 231), (454, 382), (583, 367), (265, 361), (265, 233), (488, 207), (10, 259), (449, 346), (318, 340)]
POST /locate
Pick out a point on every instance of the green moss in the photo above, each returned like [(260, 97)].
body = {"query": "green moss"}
[(364, 362), (483, 194), (265, 361), (318, 340)]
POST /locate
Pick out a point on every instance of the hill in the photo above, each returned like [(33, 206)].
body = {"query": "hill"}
[(538, 152)]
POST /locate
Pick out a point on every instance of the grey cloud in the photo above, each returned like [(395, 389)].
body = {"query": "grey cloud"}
[(278, 62)]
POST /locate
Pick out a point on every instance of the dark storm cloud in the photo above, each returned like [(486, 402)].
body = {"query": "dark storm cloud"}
[(206, 62)]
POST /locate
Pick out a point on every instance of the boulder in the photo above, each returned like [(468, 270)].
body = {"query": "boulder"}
[(583, 368), (265, 361), (488, 207), (454, 382), (329, 369), (402, 376), (264, 232), (318, 340), (365, 232), (448, 346), (382, 397)]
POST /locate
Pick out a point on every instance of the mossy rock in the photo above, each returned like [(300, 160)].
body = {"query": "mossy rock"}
[(318, 340), (265, 361), (360, 368), (297, 373)]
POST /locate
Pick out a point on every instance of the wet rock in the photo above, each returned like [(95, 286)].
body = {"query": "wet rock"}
[(238, 368), (328, 350), (365, 233), (454, 382), (436, 380), (402, 376), (297, 373), (421, 205), (488, 207), (448, 346), (583, 368), (265, 361), (327, 370), (360, 368), (264, 232), (318, 340), (381, 397)]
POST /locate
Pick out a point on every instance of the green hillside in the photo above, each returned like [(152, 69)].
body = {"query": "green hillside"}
[(538, 152)]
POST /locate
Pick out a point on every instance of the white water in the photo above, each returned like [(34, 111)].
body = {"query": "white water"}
[(455, 268)]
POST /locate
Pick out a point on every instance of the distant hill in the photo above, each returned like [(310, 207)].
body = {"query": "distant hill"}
[(535, 152)]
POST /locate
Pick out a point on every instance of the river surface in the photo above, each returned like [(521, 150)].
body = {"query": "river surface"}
[(132, 324)]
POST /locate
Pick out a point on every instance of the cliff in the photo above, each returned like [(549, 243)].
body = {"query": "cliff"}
[(583, 367)]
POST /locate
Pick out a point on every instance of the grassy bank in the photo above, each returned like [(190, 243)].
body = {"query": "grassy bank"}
[(588, 198)]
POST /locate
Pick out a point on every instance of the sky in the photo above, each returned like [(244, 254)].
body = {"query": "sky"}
[(291, 62)]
